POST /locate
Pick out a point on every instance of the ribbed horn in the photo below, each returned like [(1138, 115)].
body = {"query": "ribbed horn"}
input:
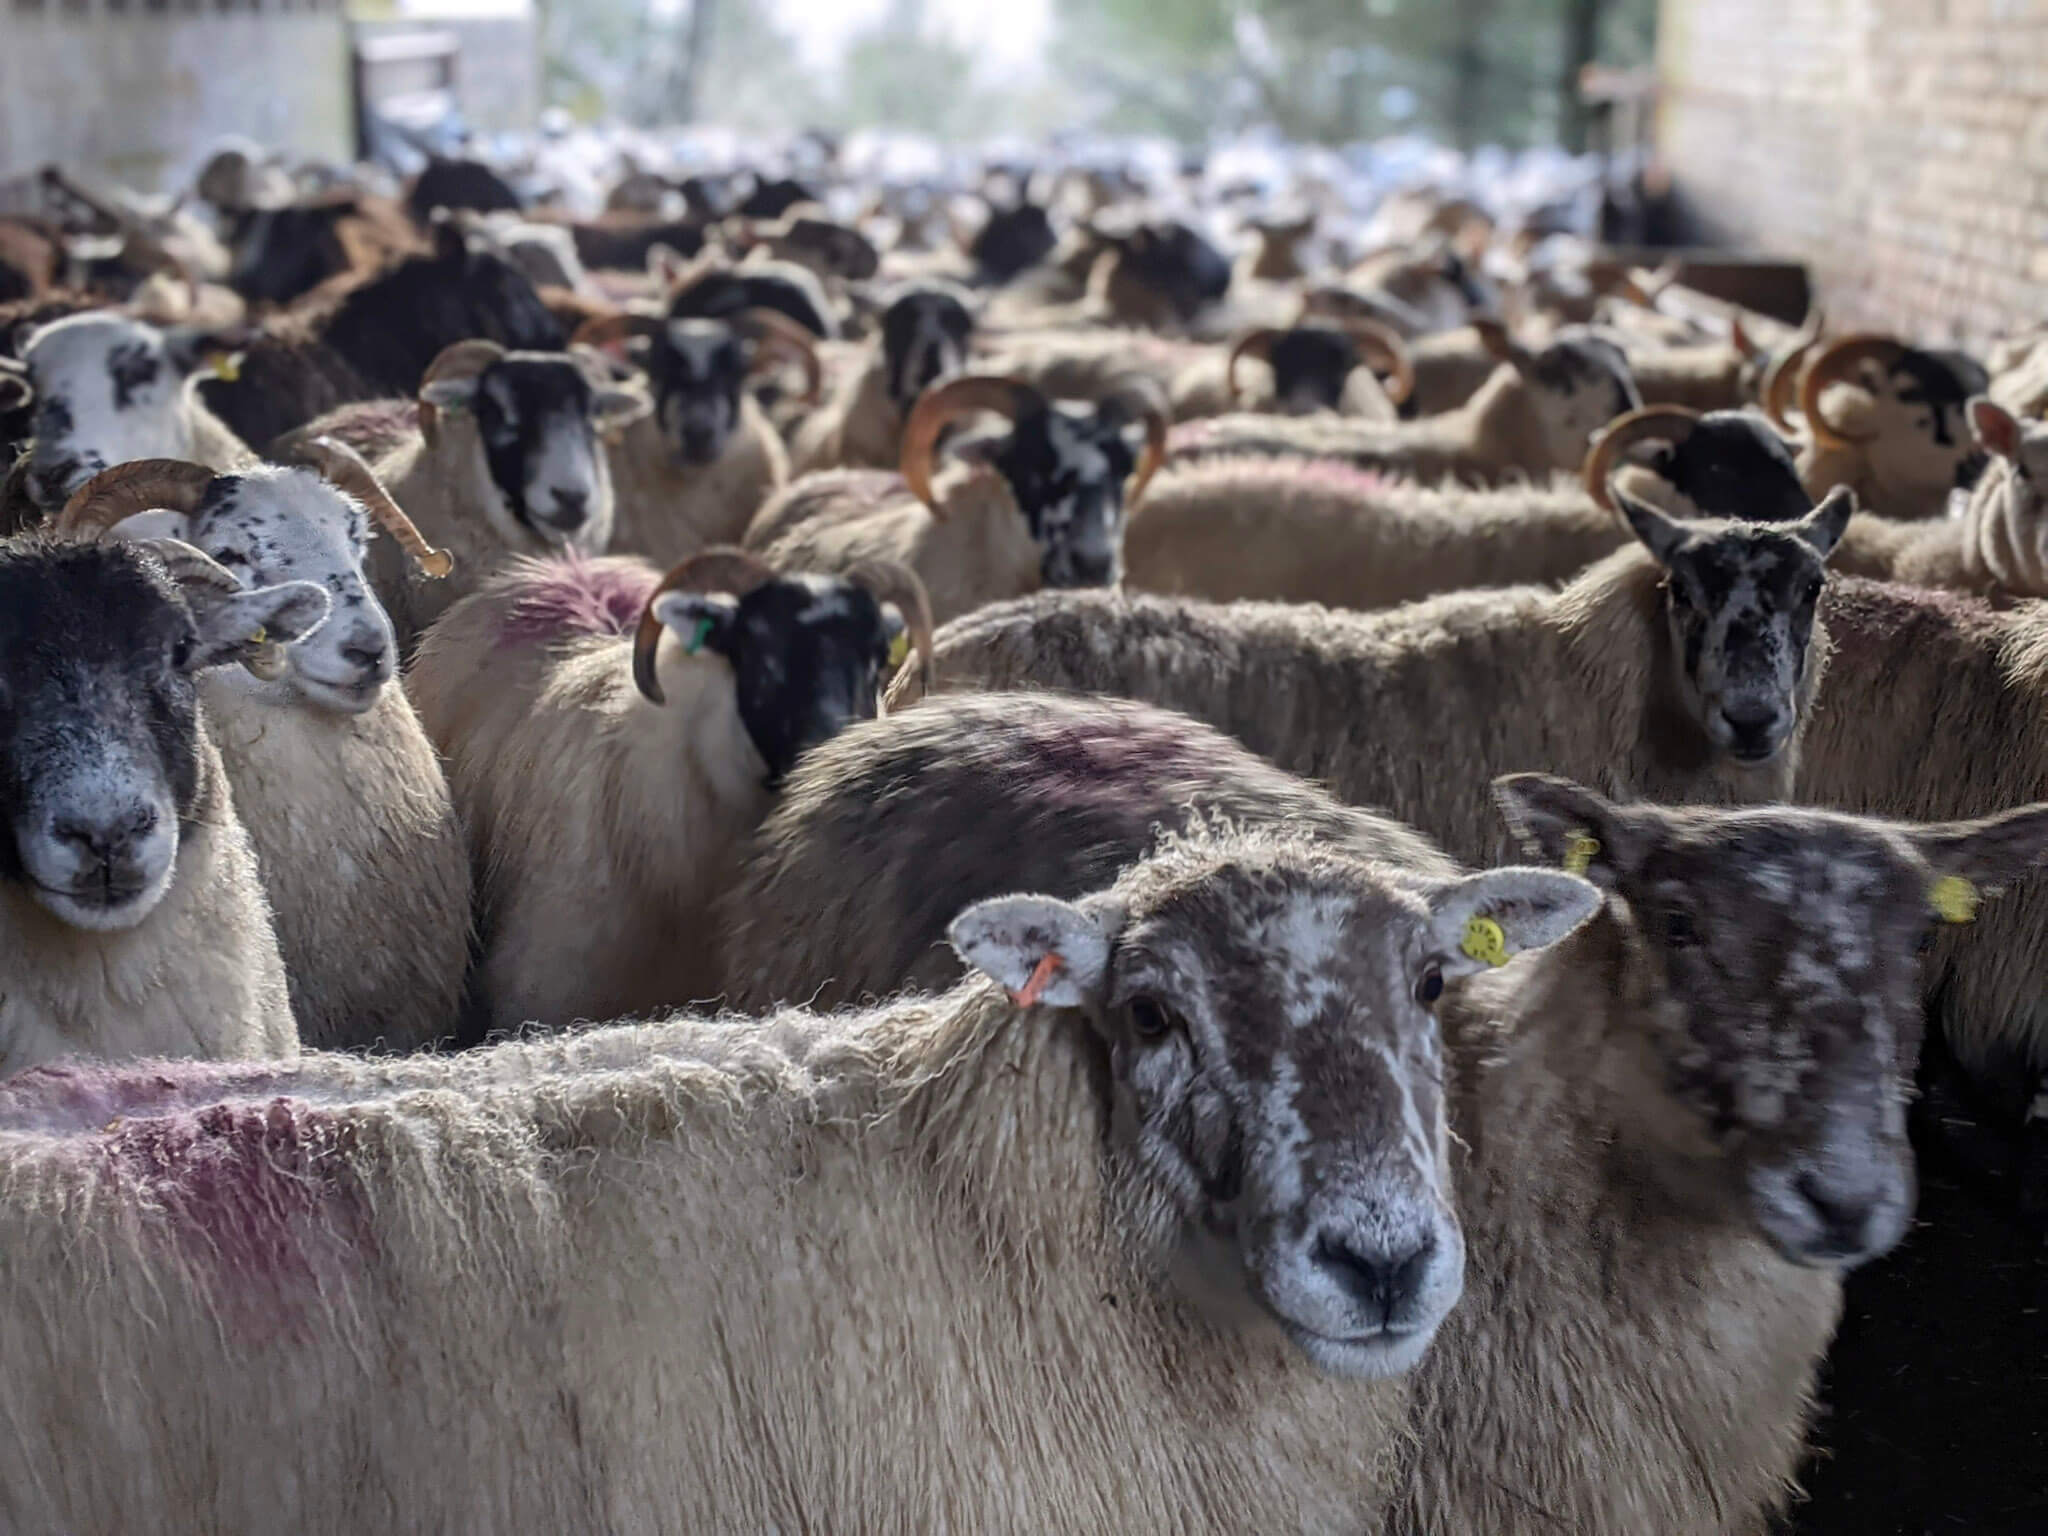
[(344, 469), (1142, 397), (1670, 423), (1831, 365), (890, 581), (940, 406), (1254, 343), (1780, 385), (719, 569), (144, 485), (1371, 336), (459, 360), (772, 332), (603, 330)]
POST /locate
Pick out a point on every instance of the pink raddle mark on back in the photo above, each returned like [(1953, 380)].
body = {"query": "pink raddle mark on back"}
[(1342, 475), (74, 1097), (570, 598)]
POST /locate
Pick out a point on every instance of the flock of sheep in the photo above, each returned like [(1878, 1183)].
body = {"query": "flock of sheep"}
[(1297, 891)]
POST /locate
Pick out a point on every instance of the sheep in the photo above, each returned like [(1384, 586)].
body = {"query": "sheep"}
[(134, 917), (110, 388), (887, 830), (1053, 1259), (1681, 671), (925, 331), (1042, 506), (1275, 256), (379, 337), (509, 460), (341, 792), (897, 823), (1888, 421), (695, 471), (1323, 531), (1532, 418), (575, 781)]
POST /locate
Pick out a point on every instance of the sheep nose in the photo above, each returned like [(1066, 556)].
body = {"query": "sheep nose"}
[(1754, 729), (571, 507), (1850, 1216), (366, 655), (106, 841), (1385, 1279)]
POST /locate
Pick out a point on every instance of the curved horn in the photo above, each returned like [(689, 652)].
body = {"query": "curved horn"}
[(1832, 364), (721, 568), (603, 330), (144, 485), (773, 332), (941, 405), (344, 469), (890, 581), (1144, 399), (1370, 335), (15, 388), (458, 360), (1780, 384), (1255, 343), (1671, 423)]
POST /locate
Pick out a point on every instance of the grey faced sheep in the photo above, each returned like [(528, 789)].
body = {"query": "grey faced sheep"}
[(590, 766), (341, 792), (1678, 671), (1535, 416), (510, 459), (134, 916), (1040, 505), (1115, 1259), (695, 471), (925, 332)]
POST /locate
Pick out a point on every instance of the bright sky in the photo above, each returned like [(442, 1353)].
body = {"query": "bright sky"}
[(1010, 33)]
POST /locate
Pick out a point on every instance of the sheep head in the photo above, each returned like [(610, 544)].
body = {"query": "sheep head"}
[(1907, 427), (1311, 363), (1573, 387)]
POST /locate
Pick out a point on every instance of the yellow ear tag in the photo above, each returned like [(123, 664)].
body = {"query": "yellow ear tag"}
[(1484, 941), (1578, 858), (226, 366), (1954, 899), (260, 636), (899, 648)]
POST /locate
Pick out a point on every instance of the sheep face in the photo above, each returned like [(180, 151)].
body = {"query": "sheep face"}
[(924, 340), (1739, 602), (108, 389), (1577, 384), (1914, 421), (698, 368), (274, 525), (1311, 365), (806, 653), (1276, 1071), (1733, 465), (1178, 264), (1066, 468), (544, 471), (1783, 1022), (99, 716), (1012, 241), (2012, 522)]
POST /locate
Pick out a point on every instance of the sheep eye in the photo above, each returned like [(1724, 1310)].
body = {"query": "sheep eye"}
[(1429, 986), (1149, 1019), (1813, 589), (1679, 932), (181, 653)]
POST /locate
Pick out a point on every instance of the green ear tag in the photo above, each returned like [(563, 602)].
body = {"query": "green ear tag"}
[(898, 649), (1579, 857), (697, 638)]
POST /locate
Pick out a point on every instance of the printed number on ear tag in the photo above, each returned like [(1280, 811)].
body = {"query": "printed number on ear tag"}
[(898, 649), (697, 638), (1578, 858), (1484, 941), (1954, 899)]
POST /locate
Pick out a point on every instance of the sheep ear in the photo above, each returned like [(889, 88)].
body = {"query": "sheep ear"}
[(197, 353), (449, 394), (161, 524), (1565, 824), (1994, 427), (1739, 337), (1503, 346), (699, 619), (1661, 534), (1487, 919), (1991, 851), (1824, 526), (1039, 948), (235, 625), (614, 410)]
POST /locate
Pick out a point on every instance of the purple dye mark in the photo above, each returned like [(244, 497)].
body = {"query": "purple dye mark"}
[(1118, 767), (258, 1195), (570, 598), (74, 1097), (1341, 476)]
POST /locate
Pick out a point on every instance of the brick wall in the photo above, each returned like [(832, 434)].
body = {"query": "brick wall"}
[(1899, 146)]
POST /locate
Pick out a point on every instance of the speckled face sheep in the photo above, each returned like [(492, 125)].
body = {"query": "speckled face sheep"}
[(110, 389), (1890, 421)]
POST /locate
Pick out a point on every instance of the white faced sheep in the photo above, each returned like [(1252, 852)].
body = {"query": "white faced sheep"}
[(133, 911), (1678, 671), (1532, 418), (887, 830), (342, 793), (510, 459), (110, 388), (1040, 505), (1119, 1260), (695, 471), (1673, 1135), (592, 766), (924, 336), (1889, 422)]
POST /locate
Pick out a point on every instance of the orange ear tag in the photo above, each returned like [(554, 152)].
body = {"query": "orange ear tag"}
[(1041, 978)]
